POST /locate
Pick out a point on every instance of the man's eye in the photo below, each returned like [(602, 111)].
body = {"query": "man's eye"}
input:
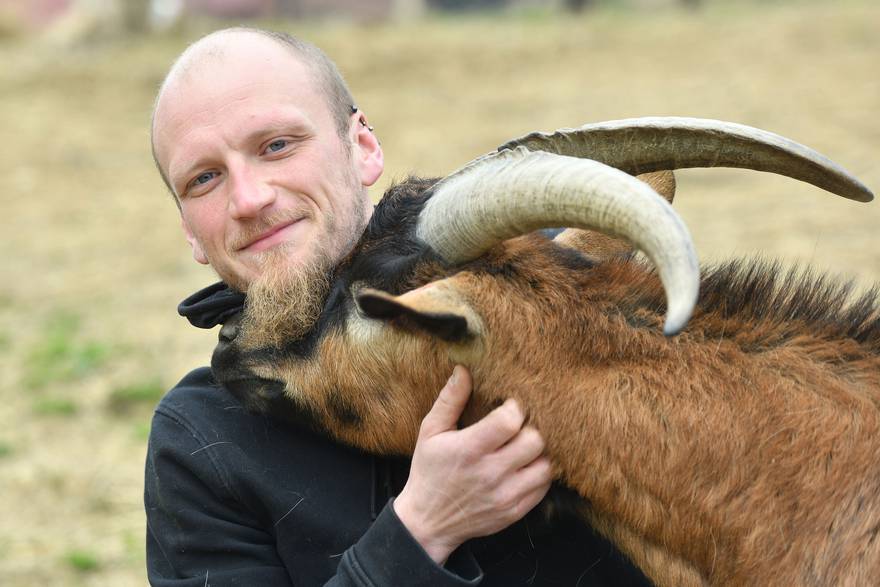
[(204, 178), (276, 146)]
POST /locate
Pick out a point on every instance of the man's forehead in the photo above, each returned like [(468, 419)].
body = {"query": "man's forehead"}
[(216, 53), (223, 65)]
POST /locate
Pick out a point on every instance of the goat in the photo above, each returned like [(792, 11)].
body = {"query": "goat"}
[(744, 450)]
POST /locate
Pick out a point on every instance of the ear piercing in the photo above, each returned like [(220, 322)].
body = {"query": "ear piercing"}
[(363, 120)]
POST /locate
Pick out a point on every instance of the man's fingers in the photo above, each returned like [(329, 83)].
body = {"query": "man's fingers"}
[(522, 490), (496, 428), (533, 497), (533, 482), (449, 404), (538, 473), (522, 449)]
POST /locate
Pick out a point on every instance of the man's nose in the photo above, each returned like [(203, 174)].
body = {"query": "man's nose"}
[(249, 193)]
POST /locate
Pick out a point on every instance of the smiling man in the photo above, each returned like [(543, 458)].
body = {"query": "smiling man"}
[(259, 141), (259, 161)]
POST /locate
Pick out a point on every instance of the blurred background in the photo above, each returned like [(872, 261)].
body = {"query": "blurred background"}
[(94, 263)]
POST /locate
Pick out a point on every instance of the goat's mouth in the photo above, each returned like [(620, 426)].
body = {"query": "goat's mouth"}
[(257, 394), (268, 397)]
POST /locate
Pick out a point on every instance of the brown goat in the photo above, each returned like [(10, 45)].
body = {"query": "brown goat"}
[(745, 450)]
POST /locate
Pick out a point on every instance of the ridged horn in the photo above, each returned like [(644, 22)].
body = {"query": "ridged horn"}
[(516, 191), (640, 145)]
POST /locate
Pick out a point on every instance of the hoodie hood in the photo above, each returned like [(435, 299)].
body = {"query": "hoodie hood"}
[(212, 305)]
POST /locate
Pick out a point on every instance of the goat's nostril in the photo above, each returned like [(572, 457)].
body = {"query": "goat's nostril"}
[(228, 332)]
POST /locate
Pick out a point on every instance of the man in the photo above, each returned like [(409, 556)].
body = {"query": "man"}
[(258, 139)]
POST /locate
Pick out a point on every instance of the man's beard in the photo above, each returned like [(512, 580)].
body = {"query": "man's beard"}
[(285, 301)]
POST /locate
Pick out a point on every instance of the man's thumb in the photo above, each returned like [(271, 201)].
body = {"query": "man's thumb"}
[(450, 402)]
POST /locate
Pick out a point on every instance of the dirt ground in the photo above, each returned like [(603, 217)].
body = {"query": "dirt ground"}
[(94, 262)]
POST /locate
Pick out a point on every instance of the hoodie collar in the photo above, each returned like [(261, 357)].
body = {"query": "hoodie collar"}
[(212, 305)]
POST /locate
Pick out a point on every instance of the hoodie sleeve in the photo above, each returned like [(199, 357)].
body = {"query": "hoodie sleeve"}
[(200, 533), (369, 563)]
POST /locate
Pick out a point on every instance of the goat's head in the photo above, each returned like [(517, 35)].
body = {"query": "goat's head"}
[(451, 271)]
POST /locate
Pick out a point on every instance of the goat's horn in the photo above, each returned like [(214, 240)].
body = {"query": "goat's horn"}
[(640, 145), (512, 192)]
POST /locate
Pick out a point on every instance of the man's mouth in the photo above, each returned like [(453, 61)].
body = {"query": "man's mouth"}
[(269, 238)]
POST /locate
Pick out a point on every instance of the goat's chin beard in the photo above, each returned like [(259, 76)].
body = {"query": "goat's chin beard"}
[(285, 301)]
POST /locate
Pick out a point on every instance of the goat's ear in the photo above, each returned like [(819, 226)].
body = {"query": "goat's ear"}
[(435, 309), (600, 246), (663, 182)]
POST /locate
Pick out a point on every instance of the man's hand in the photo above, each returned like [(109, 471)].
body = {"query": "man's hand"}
[(470, 482)]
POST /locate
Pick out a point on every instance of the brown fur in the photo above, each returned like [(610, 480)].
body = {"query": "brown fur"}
[(745, 451)]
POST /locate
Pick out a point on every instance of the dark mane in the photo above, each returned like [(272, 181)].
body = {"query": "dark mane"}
[(761, 290)]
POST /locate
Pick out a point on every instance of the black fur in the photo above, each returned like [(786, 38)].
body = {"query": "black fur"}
[(388, 253), (266, 396), (342, 409)]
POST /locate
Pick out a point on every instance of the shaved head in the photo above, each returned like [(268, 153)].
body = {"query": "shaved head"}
[(210, 52)]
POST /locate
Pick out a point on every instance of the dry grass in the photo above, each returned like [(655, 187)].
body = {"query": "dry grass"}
[(94, 263)]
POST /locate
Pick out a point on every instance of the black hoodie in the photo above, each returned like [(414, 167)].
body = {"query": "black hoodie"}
[(235, 498)]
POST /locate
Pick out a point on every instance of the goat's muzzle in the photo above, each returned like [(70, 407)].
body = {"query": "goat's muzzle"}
[(234, 370)]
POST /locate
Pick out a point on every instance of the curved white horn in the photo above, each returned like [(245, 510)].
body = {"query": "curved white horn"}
[(512, 192), (640, 145)]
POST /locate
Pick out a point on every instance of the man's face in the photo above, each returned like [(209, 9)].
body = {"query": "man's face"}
[(253, 155)]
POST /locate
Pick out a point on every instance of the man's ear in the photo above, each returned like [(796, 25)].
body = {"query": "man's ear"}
[(436, 309), (367, 150), (198, 251)]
